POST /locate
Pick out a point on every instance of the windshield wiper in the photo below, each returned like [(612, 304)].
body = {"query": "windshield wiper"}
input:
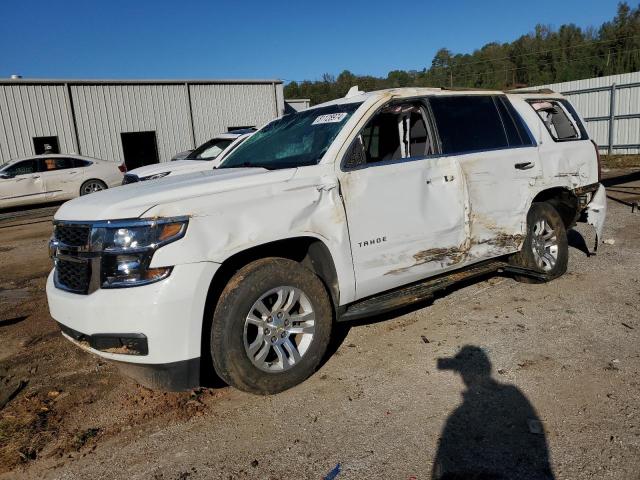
[(248, 165)]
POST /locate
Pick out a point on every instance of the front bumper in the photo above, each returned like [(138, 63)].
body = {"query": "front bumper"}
[(167, 314)]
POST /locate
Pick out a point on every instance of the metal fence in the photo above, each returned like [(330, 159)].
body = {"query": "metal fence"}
[(611, 107)]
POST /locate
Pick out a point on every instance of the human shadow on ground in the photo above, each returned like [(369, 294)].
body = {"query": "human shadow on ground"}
[(495, 434)]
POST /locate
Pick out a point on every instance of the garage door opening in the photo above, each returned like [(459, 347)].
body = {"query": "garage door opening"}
[(45, 145), (139, 149)]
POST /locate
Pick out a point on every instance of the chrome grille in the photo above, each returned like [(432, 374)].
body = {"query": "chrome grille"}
[(73, 275)]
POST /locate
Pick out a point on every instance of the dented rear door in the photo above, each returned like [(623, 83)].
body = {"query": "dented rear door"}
[(499, 159)]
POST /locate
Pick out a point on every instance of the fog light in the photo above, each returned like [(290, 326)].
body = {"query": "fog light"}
[(127, 265)]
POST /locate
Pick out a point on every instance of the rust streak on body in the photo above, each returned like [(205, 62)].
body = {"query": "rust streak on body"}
[(450, 256)]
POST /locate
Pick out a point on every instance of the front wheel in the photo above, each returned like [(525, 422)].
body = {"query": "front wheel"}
[(545, 248), (91, 186), (271, 326)]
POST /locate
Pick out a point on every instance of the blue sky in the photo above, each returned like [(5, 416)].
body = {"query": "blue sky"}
[(260, 39)]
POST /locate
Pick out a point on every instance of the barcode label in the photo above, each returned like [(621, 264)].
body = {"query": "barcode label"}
[(329, 118)]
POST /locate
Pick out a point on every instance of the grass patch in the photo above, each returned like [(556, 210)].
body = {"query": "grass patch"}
[(620, 161)]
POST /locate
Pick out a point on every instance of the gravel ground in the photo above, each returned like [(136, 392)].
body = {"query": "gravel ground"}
[(542, 375)]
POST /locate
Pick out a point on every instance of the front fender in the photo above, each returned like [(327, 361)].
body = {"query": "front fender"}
[(246, 219)]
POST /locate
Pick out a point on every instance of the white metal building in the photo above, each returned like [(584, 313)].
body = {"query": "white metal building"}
[(293, 105), (140, 121), (610, 106)]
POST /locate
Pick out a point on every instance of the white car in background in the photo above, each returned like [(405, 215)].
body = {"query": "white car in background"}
[(54, 177), (206, 157)]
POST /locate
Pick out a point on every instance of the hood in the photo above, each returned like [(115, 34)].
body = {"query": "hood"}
[(175, 166), (134, 199)]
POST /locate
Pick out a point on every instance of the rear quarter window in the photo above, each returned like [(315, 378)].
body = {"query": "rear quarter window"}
[(560, 119)]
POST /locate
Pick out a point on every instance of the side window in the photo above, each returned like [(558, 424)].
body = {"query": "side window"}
[(557, 120), (25, 167), (56, 163), (77, 163), (397, 131), (381, 138), (517, 134), (468, 123)]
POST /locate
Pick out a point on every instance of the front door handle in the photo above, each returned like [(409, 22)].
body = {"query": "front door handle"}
[(524, 165)]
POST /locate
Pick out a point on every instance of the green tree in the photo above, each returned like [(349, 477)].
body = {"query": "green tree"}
[(545, 55)]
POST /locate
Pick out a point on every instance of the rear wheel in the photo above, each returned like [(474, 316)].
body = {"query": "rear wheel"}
[(271, 326), (546, 247), (91, 186)]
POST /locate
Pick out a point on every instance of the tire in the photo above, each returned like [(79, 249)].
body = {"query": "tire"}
[(91, 186), (545, 247), (246, 324)]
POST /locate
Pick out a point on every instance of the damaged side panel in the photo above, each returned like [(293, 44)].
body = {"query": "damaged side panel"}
[(407, 220), (597, 212), (308, 205)]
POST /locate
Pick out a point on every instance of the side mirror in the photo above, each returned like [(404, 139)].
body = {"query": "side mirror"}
[(356, 156)]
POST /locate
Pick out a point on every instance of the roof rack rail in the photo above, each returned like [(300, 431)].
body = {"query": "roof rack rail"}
[(545, 91), (469, 89)]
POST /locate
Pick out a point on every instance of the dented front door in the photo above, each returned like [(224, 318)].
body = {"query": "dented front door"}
[(406, 220)]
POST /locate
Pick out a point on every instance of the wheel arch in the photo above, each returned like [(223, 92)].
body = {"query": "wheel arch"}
[(563, 200), (309, 251)]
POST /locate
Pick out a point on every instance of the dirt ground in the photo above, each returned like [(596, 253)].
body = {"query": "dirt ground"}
[(563, 386)]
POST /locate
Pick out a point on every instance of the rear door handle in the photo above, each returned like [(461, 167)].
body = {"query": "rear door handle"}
[(447, 178), (524, 165)]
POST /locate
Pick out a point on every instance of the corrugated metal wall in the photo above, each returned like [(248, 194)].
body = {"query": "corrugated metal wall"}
[(594, 106), (28, 111), (103, 110), (218, 107), (298, 104)]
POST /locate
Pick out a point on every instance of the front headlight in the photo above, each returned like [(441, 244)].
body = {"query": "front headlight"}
[(111, 253), (155, 176), (149, 235), (128, 250)]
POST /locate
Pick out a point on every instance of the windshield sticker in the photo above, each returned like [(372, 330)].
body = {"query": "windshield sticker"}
[(330, 118)]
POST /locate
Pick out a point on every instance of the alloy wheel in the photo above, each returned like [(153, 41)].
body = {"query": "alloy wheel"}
[(279, 329), (544, 244)]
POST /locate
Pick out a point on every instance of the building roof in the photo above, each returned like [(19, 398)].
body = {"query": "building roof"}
[(175, 81)]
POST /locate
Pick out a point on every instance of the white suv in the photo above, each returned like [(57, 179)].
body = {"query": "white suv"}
[(344, 210)]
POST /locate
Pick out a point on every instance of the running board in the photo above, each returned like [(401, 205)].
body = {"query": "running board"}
[(426, 289)]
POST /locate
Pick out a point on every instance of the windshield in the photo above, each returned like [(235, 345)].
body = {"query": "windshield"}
[(294, 140), (209, 150)]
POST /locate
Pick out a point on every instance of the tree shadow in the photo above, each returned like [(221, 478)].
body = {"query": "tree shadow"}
[(621, 179), (495, 434), (13, 321)]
